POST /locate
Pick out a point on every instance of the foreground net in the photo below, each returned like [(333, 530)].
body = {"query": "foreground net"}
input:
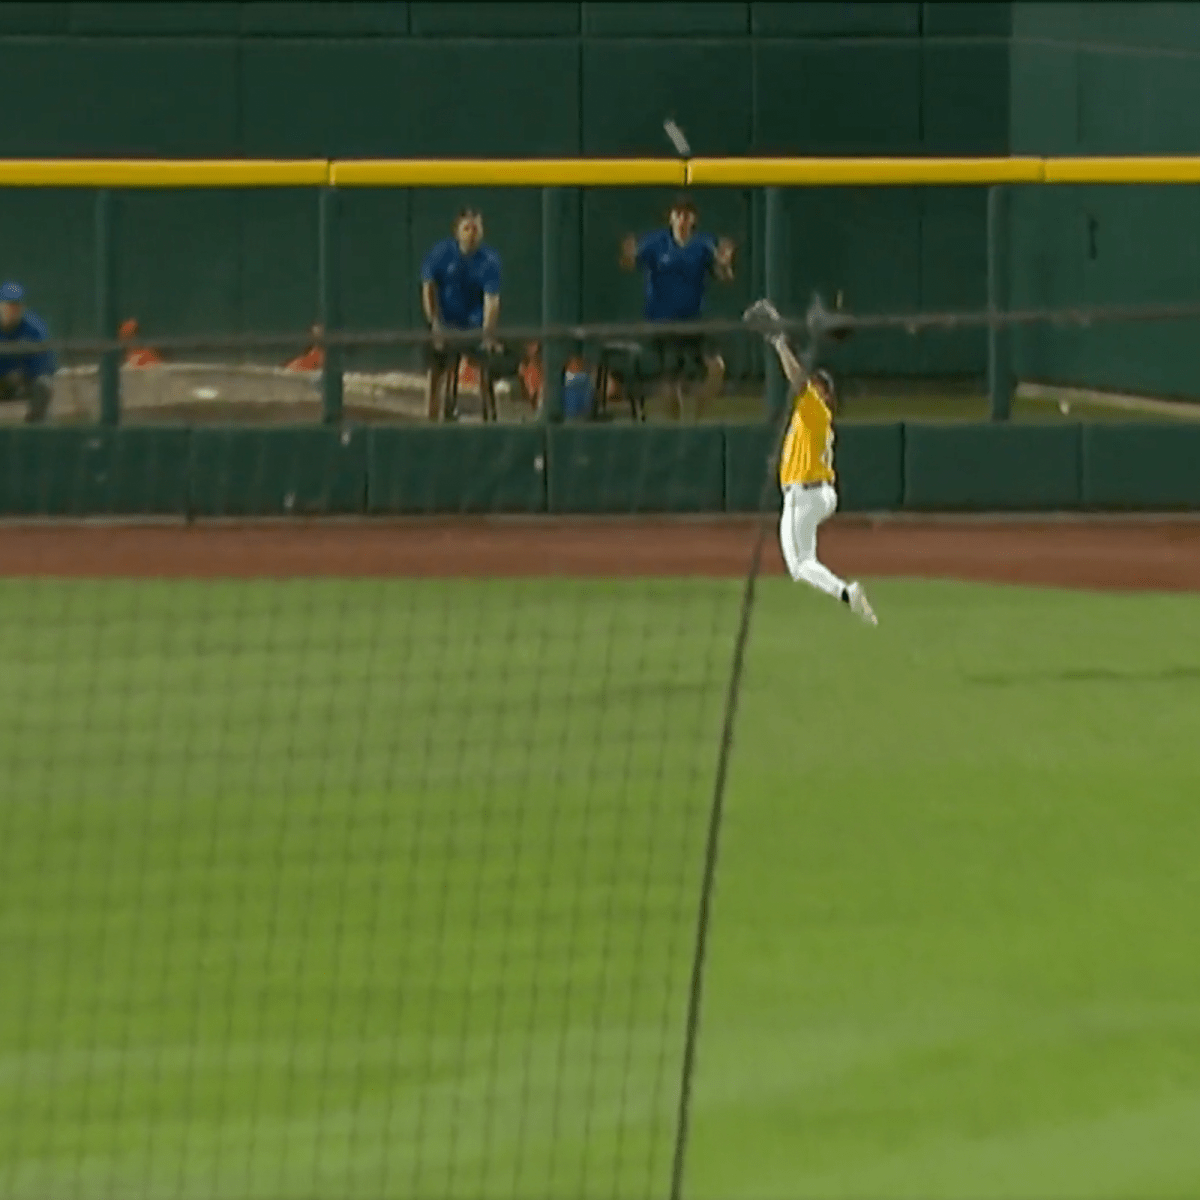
[(346, 886)]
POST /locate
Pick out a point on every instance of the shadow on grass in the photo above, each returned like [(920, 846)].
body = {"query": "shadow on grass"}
[(1179, 674)]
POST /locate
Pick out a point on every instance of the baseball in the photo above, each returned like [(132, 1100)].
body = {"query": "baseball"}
[(1064, 407)]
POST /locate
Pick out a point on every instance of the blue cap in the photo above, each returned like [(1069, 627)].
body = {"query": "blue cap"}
[(11, 293)]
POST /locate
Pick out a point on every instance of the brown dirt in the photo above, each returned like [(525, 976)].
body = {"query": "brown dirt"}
[(1152, 554)]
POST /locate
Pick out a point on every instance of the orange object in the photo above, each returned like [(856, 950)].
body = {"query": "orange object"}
[(141, 357), (468, 374), (313, 359), (530, 372)]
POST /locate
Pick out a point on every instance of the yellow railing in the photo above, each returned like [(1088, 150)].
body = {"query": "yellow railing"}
[(590, 172)]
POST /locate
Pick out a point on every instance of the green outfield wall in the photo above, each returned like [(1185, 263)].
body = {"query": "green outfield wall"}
[(395, 80), (207, 471)]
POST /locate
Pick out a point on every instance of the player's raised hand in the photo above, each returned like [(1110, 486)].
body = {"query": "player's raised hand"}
[(629, 253)]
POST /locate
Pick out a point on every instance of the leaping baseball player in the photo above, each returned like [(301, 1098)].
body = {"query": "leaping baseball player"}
[(806, 473)]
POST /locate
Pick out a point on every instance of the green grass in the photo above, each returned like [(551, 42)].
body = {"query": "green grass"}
[(383, 889)]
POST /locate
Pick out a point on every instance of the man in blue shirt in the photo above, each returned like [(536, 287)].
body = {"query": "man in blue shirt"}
[(460, 289), (25, 374), (677, 262)]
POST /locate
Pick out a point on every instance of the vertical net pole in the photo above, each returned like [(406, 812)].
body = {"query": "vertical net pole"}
[(330, 303), (106, 305), (1000, 376), (553, 352), (775, 280)]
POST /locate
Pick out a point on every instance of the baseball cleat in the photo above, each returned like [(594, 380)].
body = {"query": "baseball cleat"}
[(860, 605)]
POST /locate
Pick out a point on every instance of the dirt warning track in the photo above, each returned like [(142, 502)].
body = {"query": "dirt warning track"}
[(1159, 554)]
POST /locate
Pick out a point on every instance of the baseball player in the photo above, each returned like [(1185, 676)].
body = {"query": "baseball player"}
[(460, 289), (806, 473), (24, 376)]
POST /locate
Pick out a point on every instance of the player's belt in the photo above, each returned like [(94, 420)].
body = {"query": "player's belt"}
[(808, 487)]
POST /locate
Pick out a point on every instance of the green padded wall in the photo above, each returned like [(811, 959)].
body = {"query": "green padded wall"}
[(290, 18), (1141, 466), (78, 472), (439, 469), (299, 471), (37, 18), (817, 19), (630, 469), (985, 468), (664, 18), (240, 471)]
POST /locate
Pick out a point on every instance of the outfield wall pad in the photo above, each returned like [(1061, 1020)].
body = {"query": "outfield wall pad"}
[(636, 468), (92, 471), (312, 470), (1018, 468), (248, 472), (457, 469), (1141, 466)]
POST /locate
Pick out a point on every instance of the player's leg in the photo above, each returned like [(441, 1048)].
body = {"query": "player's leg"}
[(787, 531), (813, 507), (816, 505), (852, 593)]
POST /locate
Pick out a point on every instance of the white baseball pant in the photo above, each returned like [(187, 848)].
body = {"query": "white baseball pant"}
[(804, 509)]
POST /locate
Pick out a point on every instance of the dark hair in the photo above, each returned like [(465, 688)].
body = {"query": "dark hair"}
[(683, 204), (466, 213)]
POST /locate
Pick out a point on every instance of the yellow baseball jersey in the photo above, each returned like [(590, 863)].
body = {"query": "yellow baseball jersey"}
[(808, 447)]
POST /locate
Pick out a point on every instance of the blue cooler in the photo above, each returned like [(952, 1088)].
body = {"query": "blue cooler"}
[(579, 396)]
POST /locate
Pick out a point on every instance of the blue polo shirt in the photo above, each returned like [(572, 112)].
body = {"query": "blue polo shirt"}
[(675, 275), (30, 328), (462, 281)]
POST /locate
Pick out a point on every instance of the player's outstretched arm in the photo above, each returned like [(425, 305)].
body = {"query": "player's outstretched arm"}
[(797, 376)]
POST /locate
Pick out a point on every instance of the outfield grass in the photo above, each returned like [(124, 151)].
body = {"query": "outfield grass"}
[(383, 889)]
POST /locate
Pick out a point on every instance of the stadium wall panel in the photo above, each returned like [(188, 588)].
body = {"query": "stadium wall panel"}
[(93, 472), (636, 469), (1141, 466), (664, 18), (836, 20), (464, 469), (992, 468), (312, 470), (870, 467), (302, 470), (747, 448)]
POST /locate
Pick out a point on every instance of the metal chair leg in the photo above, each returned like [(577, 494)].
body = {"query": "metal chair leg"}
[(450, 402), (487, 394)]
